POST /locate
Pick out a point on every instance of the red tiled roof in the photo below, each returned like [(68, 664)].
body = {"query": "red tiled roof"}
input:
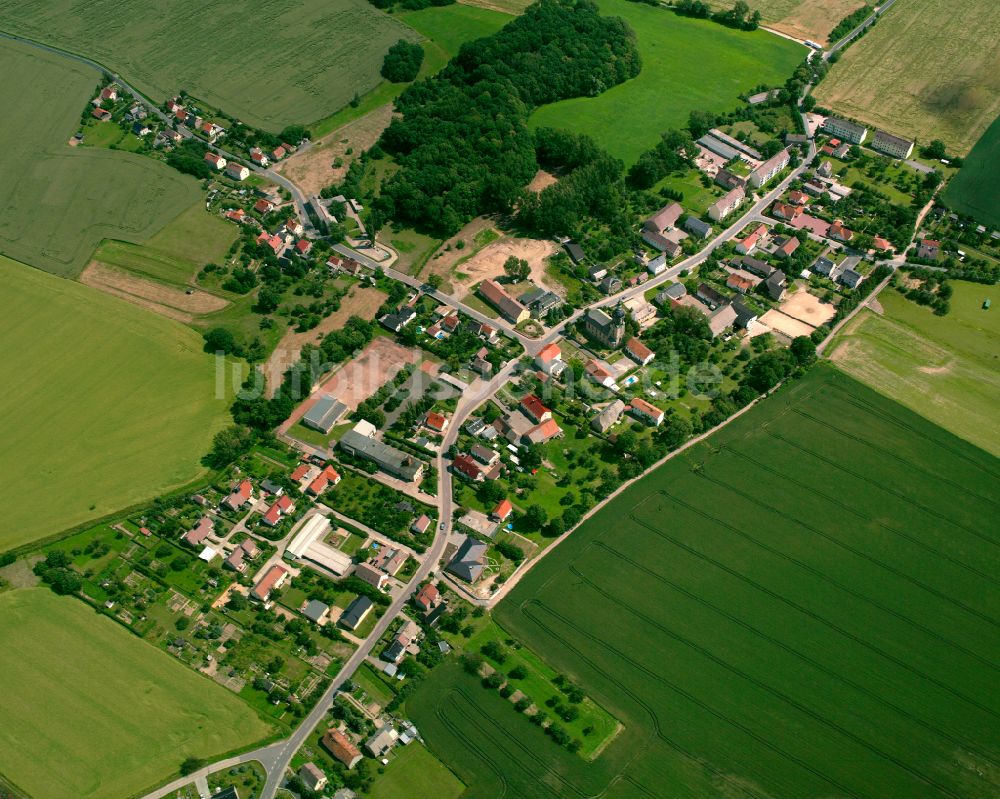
[(646, 408), (467, 466), (549, 352), (263, 206), (427, 596), (268, 581), (300, 471), (303, 246), (435, 421), (534, 407), (503, 509), (638, 349)]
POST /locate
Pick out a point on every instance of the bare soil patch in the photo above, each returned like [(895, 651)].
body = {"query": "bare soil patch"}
[(786, 325), (541, 180), (488, 263), (172, 302), (363, 301), (808, 308), (360, 377), (313, 169)]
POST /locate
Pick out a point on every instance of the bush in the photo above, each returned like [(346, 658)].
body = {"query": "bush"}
[(402, 62)]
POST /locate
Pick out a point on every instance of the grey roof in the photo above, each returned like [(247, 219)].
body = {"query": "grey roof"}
[(608, 416), (324, 414), (469, 560), (718, 147), (356, 611), (736, 144), (757, 266), (596, 271), (709, 294), (575, 251), (881, 137), (675, 291), (744, 315), (398, 320), (822, 265), (776, 284), (845, 124), (315, 610), (694, 225), (389, 458), (394, 652)]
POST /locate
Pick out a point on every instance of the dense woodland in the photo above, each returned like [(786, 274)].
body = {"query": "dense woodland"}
[(463, 142)]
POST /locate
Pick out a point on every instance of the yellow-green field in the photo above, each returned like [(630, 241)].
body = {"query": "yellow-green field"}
[(270, 63), (91, 712), (60, 201), (927, 70), (104, 404), (803, 19), (944, 368)]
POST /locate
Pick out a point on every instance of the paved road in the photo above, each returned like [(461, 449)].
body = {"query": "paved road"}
[(854, 34)]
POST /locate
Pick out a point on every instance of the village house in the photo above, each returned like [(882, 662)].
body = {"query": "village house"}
[(712, 298), (639, 352), (271, 581), (272, 241), (360, 442), (533, 408), (775, 285), (549, 360), (101, 114), (263, 206), (726, 204), (928, 248), (215, 161), (839, 232), (427, 597), (502, 511), (728, 180), (786, 247), (398, 319), (240, 495), (785, 211), (197, 535), (698, 228), (435, 421), (756, 238), (646, 412), (741, 281), (282, 506), (796, 197), (314, 779), (657, 265), (324, 480), (721, 319), (469, 560), (259, 157), (465, 466), (599, 373), (303, 247), (419, 526), (542, 432), (372, 576), (237, 215), (575, 252)]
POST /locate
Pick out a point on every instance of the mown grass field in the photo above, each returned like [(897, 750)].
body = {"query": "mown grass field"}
[(944, 368), (975, 190), (923, 87), (277, 63), (687, 64), (94, 713), (60, 201), (414, 773), (104, 404), (806, 604), (449, 27)]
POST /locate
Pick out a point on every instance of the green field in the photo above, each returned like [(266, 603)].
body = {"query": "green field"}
[(804, 605), (452, 26), (273, 64), (945, 368), (94, 713), (105, 404), (175, 254), (687, 64), (942, 88), (414, 773), (975, 190), (61, 201)]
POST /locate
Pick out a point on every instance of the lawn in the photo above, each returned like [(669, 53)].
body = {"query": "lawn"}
[(93, 712), (803, 605), (287, 62), (61, 200), (975, 190), (945, 89), (106, 404), (944, 368), (414, 773), (687, 64)]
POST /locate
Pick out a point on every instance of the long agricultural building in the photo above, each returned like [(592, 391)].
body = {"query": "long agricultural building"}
[(361, 443), (308, 544)]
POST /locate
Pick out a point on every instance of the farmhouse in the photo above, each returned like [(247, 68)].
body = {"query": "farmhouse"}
[(664, 219), (382, 741), (324, 414), (328, 477), (787, 247), (756, 266), (721, 319), (741, 281), (512, 310), (771, 167), (200, 532), (726, 204), (466, 467), (280, 507), (312, 777), (533, 408), (710, 296), (542, 432), (608, 330), (371, 575), (608, 417), (427, 597), (928, 248), (849, 131), (749, 243), (893, 146), (340, 746), (574, 251), (599, 373), (784, 211), (215, 161), (360, 442)]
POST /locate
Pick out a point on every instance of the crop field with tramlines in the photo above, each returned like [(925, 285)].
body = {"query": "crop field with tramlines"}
[(805, 604), (270, 63)]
